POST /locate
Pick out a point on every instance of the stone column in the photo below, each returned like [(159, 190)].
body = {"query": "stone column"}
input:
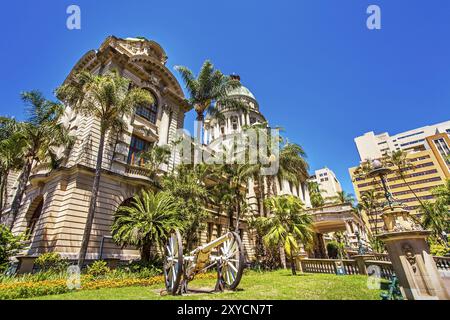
[(409, 253), (361, 261), (164, 126)]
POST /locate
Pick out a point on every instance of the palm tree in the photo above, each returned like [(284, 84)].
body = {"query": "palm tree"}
[(154, 158), (11, 158), (293, 167), (288, 226), (41, 134), (108, 99), (344, 198), (210, 88), (371, 204), (315, 195), (401, 163), (146, 222), (233, 189)]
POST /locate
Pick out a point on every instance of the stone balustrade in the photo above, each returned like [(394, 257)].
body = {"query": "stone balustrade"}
[(41, 168), (137, 171), (329, 266), (379, 260), (442, 263), (382, 257)]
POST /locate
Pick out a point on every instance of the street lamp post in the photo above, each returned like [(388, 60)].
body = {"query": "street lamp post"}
[(361, 248), (408, 249)]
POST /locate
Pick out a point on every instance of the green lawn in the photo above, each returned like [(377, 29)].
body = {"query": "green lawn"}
[(259, 286)]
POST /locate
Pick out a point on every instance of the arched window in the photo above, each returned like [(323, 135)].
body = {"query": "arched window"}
[(234, 123), (137, 147), (149, 112), (34, 218)]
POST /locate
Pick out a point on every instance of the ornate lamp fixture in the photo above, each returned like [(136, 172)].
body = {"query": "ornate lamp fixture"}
[(396, 218)]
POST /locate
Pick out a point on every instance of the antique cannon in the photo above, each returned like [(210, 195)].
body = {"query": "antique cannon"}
[(225, 253)]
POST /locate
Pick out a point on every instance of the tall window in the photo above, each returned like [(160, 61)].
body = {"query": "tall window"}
[(35, 218), (443, 149), (137, 146), (234, 123), (149, 112)]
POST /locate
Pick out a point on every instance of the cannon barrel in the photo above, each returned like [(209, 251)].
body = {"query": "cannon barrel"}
[(207, 248)]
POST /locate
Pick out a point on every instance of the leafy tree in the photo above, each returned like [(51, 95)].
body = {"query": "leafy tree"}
[(344, 198), (435, 217), (146, 222), (288, 226), (41, 134), (108, 99), (10, 245), (442, 193), (188, 189)]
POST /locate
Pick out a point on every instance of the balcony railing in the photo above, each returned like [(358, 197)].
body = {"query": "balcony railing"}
[(41, 168), (139, 171)]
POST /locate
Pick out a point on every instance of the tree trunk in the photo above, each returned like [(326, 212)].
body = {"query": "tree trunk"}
[(198, 139), (282, 257), (294, 271), (4, 180), (146, 252), (93, 202), (238, 213), (23, 180), (262, 196)]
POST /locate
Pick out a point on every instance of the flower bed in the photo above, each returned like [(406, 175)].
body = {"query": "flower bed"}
[(23, 290)]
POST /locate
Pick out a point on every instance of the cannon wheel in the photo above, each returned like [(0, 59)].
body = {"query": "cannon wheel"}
[(173, 262), (232, 261)]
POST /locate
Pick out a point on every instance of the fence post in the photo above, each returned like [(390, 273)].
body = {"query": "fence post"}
[(361, 262)]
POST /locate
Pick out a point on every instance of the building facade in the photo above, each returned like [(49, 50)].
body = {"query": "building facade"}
[(329, 185), (55, 205), (428, 149)]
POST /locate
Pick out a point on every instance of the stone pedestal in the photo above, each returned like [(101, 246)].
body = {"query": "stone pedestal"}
[(26, 264), (408, 250), (361, 261), (301, 256)]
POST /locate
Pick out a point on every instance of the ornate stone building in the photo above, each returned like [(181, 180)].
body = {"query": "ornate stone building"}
[(55, 205), (56, 202)]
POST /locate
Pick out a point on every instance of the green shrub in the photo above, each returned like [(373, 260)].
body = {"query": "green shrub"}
[(51, 262), (98, 268), (10, 245), (335, 250), (438, 250)]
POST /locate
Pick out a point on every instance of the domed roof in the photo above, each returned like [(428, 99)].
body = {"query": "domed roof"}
[(242, 91)]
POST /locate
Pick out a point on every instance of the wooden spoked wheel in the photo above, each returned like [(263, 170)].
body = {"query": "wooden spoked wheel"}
[(232, 261), (173, 263)]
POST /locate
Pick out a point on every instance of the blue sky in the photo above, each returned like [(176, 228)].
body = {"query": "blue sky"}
[(314, 67)]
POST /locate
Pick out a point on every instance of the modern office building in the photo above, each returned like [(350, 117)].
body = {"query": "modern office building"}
[(374, 146), (428, 149), (329, 185)]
